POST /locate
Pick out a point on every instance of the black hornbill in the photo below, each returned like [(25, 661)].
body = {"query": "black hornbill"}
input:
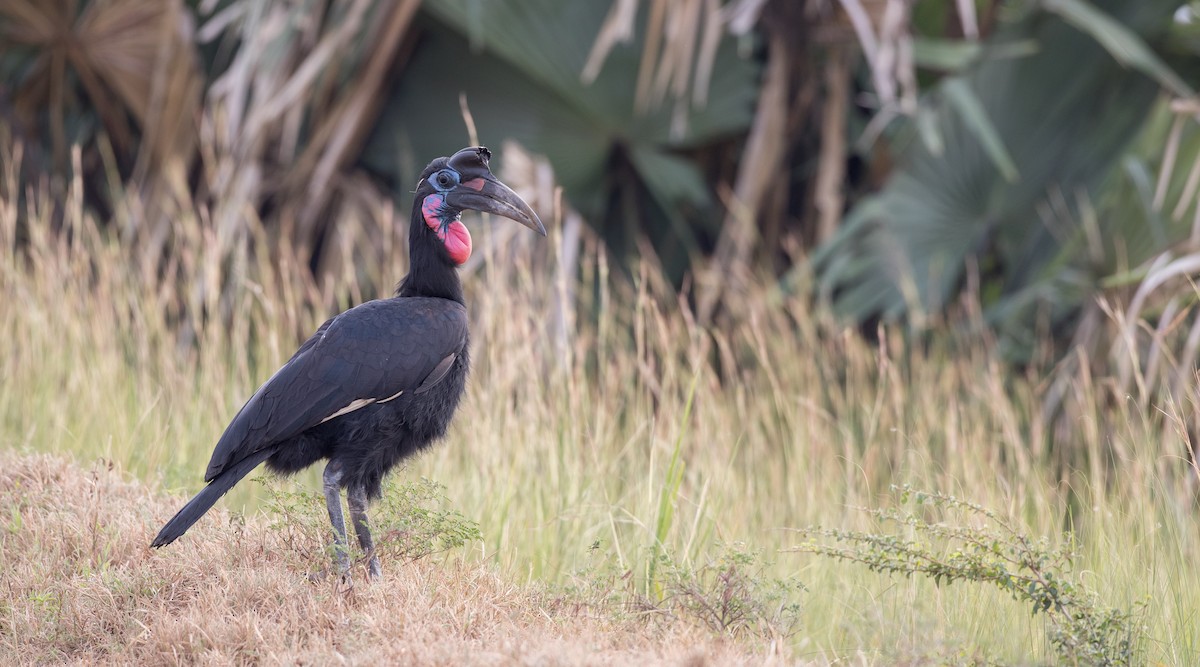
[(381, 380)]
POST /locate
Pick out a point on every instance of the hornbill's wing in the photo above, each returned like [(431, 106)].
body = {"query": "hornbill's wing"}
[(368, 354)]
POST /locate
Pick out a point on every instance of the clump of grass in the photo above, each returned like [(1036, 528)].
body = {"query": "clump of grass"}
[(1082, 630)]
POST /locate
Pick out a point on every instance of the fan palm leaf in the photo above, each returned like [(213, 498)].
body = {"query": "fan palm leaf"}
[(1034, 127)]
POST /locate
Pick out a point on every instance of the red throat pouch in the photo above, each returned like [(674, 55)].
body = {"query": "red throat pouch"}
[(458, 242)]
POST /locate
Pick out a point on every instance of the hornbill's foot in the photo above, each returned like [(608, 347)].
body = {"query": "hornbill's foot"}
[(374, 571), (333, 502), (356, 496)]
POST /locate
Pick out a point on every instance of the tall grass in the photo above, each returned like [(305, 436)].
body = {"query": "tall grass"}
[(638, 431)]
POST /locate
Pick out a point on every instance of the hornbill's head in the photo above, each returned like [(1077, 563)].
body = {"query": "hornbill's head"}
[(448, 186)]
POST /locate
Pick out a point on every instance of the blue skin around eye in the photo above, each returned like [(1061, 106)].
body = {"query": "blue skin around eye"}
[(436, 178)]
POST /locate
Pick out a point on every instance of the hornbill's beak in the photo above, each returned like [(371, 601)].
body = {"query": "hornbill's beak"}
[(487, 194)]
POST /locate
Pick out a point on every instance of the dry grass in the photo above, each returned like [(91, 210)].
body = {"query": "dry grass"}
[(81, 584)]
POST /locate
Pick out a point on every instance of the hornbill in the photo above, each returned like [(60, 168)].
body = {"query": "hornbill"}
[(378, 382)]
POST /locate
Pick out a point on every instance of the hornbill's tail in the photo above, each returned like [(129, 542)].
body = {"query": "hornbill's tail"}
[(207, 497)]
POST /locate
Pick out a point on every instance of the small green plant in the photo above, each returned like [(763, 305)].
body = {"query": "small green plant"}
[(1081, 629), (732, 594), (297, 516), (603, 586), (412, 521)]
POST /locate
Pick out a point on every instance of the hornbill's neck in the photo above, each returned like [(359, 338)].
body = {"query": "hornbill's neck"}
[(430, 270)]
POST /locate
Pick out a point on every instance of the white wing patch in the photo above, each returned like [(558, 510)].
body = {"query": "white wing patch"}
[(392, 397), (354, 405), (360, 403)]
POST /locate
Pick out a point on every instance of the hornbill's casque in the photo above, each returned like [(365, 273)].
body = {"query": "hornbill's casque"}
[(381, 380)]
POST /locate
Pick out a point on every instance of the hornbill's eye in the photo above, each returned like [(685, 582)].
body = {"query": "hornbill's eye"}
[(445, 179)]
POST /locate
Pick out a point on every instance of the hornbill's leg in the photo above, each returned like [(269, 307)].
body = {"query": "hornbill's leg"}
[(357, 496), (333, 501)]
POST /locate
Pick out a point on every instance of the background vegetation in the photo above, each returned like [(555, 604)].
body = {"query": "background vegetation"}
[(802, 253)]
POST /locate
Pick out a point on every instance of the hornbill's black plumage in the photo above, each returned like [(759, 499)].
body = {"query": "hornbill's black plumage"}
[(381, 380)]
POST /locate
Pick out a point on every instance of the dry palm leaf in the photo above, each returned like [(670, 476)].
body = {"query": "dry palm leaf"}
[(133, 59)]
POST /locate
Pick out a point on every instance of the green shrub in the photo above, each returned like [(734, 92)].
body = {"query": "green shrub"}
[(1082, 630)]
